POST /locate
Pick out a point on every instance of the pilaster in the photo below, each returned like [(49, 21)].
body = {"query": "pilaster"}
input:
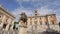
[(12, 25), (8, 23)]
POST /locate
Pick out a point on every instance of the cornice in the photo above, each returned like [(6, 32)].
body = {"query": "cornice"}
[(6, 11), (41, 15)]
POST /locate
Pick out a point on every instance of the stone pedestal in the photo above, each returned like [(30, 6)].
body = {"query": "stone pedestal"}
[(22, 31), (22, 28)]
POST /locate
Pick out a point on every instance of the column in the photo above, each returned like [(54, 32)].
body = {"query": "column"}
[(49, 21), (42, 22), (3, 20), (12, 25), (7, 27)]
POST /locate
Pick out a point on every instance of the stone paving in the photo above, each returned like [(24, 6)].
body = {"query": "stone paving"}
[(9, 32)]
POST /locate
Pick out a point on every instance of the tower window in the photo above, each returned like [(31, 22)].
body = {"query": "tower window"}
[(35, 14)]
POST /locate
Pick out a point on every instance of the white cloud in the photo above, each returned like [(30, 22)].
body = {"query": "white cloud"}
[(19, 10), (41, 10), (28, 0), (29, 12)]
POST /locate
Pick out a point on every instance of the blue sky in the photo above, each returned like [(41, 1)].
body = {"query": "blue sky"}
[(28, 6)]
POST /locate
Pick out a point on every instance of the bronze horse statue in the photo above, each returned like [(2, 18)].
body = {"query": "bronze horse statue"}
[(23, 17)]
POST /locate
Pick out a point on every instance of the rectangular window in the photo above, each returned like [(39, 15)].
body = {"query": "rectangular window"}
[(40, 23), (11, 22), (4, 26), (52, 22), (46, 23), (7, 20), (0, 19), (40, 17), (9, 26), (0, 22), (35, 17), (30, 18), (59, 24), (0, 16), (35, 22), (51, 16), (30, 23)]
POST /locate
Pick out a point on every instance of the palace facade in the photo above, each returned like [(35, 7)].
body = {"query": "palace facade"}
[(39, 23), (43, 21), (6, 19)]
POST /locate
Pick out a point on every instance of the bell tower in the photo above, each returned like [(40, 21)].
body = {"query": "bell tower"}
[(35, 12)]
